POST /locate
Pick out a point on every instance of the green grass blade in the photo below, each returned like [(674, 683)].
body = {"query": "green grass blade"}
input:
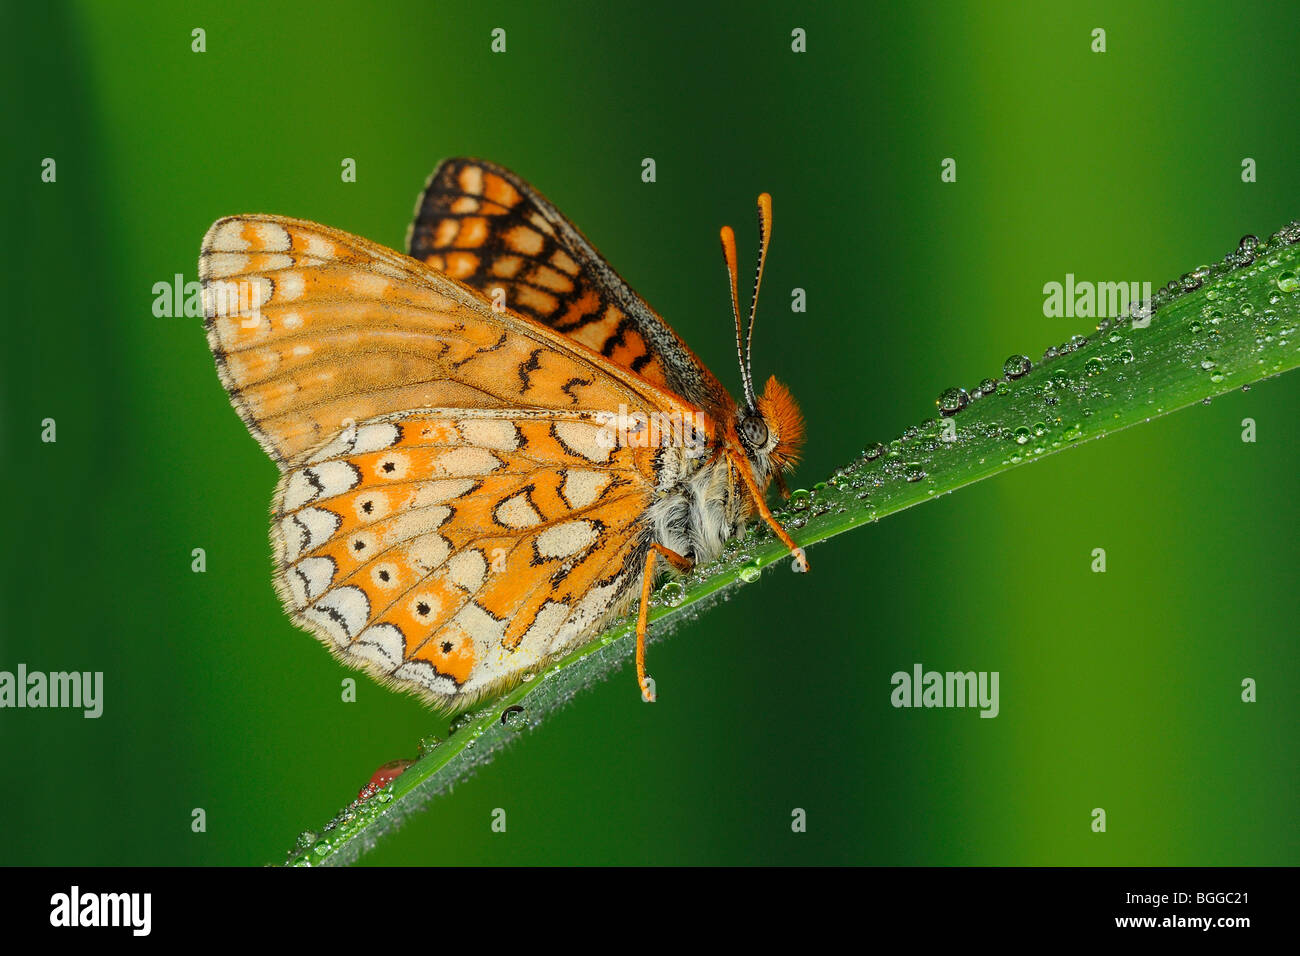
[(1226, 327)]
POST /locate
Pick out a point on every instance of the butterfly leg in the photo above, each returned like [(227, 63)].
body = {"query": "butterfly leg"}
[(682, 564), (746, 475)]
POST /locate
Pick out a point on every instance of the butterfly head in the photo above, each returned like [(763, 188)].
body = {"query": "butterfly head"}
[(776, 431), (770, 426)]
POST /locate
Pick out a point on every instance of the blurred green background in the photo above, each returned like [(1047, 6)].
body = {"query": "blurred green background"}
[(1118, 690)]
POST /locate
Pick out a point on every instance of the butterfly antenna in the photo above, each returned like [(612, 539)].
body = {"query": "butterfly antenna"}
[(729, 255), (764, 240)]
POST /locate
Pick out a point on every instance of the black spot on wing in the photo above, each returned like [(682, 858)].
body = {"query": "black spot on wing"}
[(617, 338), (314, 480), (477, 352), (304, 535), (527, 368), (568, 387)]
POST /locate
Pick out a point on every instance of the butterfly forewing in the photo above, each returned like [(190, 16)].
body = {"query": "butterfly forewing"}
[(312, 328), (484, 226)]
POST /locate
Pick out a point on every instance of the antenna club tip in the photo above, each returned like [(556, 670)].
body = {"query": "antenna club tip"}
[(729, 248)]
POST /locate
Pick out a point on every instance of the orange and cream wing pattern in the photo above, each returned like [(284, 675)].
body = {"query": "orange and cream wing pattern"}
[(450, 551), (484, 226), (312, 328)]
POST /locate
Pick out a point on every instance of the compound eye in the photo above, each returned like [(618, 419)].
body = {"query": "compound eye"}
[(754, 431)]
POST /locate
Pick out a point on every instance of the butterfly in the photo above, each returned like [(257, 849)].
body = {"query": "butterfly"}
[(484, 445)]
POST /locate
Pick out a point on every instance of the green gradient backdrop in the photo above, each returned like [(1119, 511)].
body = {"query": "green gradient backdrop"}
[(1118, 690)]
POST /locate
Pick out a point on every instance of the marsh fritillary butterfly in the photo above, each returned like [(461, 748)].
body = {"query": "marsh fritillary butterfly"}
[(485, 444)]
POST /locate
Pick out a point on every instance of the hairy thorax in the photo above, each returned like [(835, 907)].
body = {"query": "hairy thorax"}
[(700, 503)]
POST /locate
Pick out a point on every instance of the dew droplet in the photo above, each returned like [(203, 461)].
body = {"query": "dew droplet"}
[(459, 721), (673, 593), (749, 573), (1016, 366), (952, 400)]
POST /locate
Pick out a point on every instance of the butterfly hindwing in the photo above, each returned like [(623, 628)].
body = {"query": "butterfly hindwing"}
[(312, 327), (486, 227), (448, 552)]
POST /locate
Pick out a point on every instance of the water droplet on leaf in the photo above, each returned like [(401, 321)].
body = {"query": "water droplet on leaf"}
[(673, 593), (1016, 366), (952, 400)]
